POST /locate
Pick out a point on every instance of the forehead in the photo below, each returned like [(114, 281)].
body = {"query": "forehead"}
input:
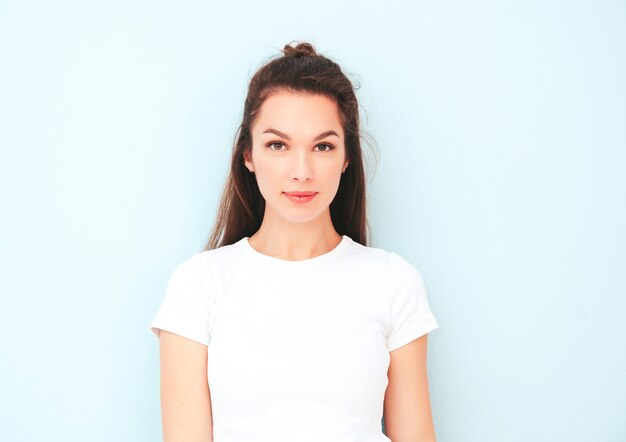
[(298, 112)]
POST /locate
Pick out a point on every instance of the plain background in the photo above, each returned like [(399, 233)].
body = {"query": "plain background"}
[(502, 139)]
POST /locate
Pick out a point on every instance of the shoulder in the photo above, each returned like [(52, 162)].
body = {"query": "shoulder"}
[(393, 264), (399, 274), (369, 256), (389, 268), (402, 268), (224, 255), (207, 266)]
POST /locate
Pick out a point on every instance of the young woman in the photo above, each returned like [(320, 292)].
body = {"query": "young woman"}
[(288, 326)]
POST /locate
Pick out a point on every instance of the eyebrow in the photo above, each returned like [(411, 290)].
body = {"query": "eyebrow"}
[(319, 137)]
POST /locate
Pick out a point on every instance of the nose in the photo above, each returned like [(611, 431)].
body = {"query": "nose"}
[(301, 167)]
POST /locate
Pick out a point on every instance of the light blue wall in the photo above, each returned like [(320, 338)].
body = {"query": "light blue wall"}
[(501, 128)]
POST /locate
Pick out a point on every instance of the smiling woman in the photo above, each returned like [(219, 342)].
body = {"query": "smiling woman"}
[(304, 170), (288, 326), (299, 102)]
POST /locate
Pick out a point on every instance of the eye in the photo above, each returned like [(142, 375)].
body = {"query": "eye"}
[(328, 147), (274, 143)]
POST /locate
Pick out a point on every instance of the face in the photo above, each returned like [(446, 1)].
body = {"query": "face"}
[(297, 146)]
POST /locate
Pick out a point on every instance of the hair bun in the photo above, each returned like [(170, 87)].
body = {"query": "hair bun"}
[(300, 50)]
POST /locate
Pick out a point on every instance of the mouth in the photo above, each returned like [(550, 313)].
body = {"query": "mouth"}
[(300, 197)]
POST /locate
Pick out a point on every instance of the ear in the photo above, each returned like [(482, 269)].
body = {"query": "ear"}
[(248, 161), (345, 166)]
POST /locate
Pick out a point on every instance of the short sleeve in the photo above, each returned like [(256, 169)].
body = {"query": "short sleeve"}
[(410, 314), (186, 306)]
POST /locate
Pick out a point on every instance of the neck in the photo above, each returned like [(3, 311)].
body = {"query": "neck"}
[(293, 241)]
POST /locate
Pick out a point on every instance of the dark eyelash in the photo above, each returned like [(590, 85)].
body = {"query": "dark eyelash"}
[(269, 145), (330, 146)]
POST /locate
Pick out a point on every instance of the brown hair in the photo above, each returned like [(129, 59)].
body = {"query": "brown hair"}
[(300, 70)]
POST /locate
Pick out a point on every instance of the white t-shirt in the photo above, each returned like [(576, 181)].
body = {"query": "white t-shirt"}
[(297, 350)]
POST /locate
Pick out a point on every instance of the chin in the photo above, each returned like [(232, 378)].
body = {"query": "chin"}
[(298, 214), (303, 217)]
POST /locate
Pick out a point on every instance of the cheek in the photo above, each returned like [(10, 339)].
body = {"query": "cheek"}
[(268, 175), (330, 175)]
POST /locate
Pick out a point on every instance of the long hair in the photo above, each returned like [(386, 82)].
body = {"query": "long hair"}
[(300, 69)]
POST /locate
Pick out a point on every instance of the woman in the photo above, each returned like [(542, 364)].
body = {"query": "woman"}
[(288, 327)]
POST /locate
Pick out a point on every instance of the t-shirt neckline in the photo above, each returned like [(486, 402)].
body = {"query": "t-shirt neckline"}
[(343, 244)]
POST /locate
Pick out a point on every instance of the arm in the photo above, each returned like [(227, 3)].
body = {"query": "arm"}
[(185, 396), (407, 413)]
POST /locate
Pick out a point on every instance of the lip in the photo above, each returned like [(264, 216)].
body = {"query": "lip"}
[(300, 197), (299, 193)]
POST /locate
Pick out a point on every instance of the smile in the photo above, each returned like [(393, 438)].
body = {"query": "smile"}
[(300, 197)]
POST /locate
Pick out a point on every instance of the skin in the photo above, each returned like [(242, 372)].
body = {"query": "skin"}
[(406, 410), (185, 396), (296, 162), (293, 161)]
